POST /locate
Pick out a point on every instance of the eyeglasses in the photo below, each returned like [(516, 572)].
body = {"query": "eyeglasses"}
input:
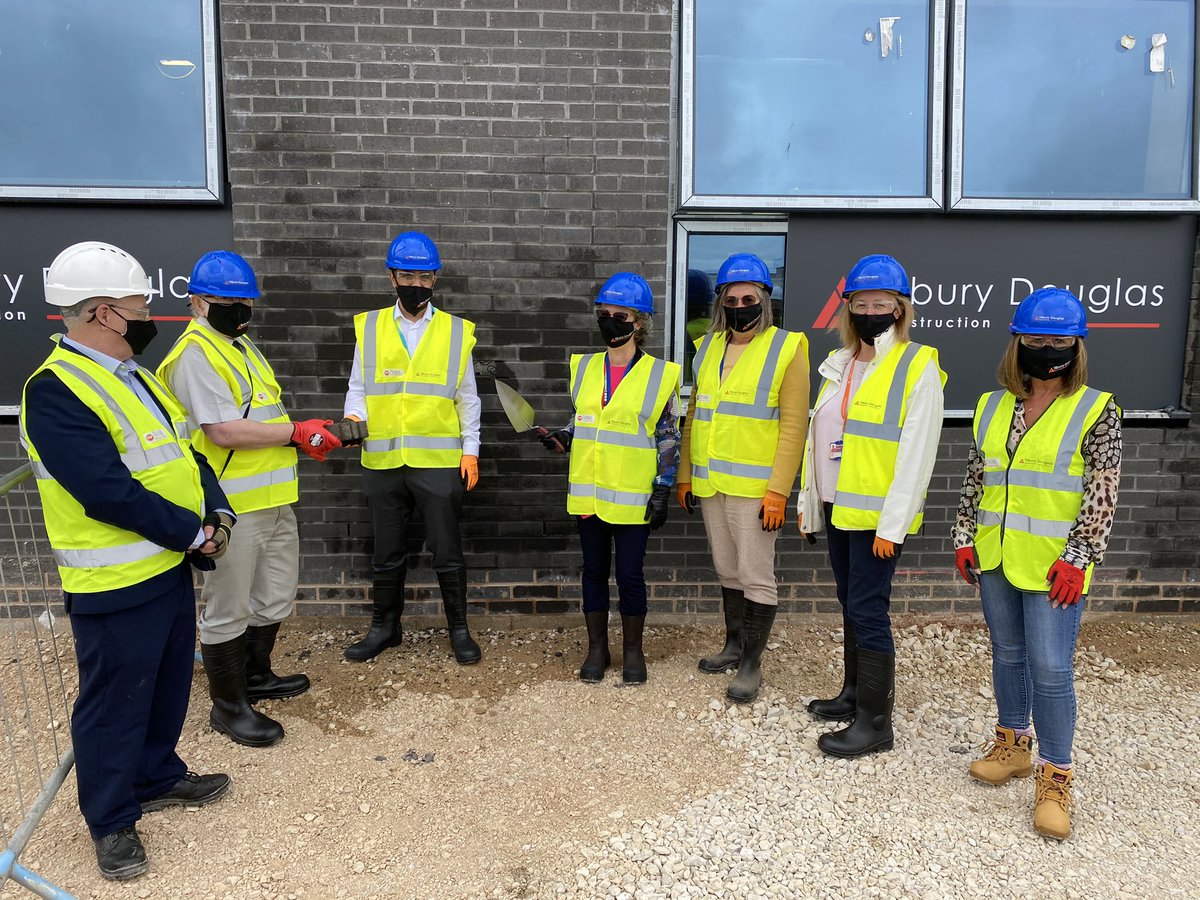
[(873, 306), (225, 301), (1037, 342), (730, 302), (129, 315), (618, 317), (424, 279)]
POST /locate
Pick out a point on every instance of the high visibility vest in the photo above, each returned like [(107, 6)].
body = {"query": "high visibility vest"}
[(252, 479), (1031, 500), (94, 556), (410, 400), (874, 421), (735, 423), (614, 457)]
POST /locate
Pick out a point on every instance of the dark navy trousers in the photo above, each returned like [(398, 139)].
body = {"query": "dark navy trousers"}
[(135, 674), (864, 584), (597, 539)]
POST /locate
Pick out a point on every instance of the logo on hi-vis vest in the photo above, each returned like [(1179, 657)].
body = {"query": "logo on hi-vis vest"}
[(393, 373), (153, 437), (1030, 462)]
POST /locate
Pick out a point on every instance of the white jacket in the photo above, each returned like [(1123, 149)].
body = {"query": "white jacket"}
[(914, 457)]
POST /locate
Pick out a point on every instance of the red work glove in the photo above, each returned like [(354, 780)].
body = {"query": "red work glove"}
[(313, 438), (967, 564), (773, 511), (468, 470), (1066, 584), (883, 548), (687, 500)]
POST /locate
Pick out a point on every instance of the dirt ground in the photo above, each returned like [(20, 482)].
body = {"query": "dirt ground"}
[(413, 777)]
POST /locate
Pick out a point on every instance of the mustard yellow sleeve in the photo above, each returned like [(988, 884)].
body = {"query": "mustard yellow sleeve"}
[(793, 426)]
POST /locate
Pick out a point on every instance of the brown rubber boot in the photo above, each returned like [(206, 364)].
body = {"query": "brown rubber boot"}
[(1005, 757), (1052, 809)]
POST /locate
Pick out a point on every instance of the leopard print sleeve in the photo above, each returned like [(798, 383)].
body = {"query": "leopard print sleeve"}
[(968, 501), (1101, 450)]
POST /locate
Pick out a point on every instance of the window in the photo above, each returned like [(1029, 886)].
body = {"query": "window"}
[(116, 101), (1074, 105), (700, 248), (808, 104)]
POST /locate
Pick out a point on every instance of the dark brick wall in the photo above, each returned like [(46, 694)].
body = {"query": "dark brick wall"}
[(530, 139)]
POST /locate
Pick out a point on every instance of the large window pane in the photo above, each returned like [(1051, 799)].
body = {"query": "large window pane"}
[(108, 100), (1061, 100), (810, 98)]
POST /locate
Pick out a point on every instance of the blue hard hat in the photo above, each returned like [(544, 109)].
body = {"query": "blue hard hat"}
[(744, 267), (627, 289), (222, 273), (878, 272), (699, 288), (413, 252), (1050, 310)]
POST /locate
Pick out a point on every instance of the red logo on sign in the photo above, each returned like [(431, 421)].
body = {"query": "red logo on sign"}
[(830, 310)]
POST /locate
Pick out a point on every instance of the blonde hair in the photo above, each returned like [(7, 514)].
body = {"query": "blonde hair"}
[(764, 322), (1013, 380), (849, 334)]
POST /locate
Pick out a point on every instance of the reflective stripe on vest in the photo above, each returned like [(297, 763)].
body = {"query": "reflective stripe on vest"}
[(371, 360)]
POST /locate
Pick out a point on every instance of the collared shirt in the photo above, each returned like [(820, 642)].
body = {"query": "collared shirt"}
[(200, 387), (466, 400)]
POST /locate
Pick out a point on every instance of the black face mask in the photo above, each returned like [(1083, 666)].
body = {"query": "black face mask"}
[(743, 318), (616, 333), (871, 325), (413, 297), (1046, 363), (138, 333), (232, 319)]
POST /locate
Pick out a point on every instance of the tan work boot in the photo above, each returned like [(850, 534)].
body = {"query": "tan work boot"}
[(1005, 757), (1052, 809)]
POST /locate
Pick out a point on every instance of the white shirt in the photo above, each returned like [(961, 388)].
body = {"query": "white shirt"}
[(466, 400)]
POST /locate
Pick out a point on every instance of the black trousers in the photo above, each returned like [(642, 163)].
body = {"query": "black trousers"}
[(392, 496), (596, 538), (864, 584)]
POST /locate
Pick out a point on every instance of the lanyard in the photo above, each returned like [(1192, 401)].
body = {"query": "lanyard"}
[(608, 376), (849, 376)]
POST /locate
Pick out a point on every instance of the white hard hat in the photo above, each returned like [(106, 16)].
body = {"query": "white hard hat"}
[(94, 269)]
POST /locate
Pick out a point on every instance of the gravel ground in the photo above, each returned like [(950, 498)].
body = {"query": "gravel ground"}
[(411, 777)]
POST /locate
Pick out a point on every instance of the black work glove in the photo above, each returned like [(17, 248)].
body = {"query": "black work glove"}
[(222, 525), (351, 432), (656, 509), (556, 441)]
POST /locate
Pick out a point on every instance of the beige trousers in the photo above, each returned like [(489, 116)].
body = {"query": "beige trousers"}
[(743, 554)]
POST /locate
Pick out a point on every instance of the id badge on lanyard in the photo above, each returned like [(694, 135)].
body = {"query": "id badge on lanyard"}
[(835, 447)]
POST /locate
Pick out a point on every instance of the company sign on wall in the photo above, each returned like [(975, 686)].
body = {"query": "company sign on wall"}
[(165, 240), (1134, 276)]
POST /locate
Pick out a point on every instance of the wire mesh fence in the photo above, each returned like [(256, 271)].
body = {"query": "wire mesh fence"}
[(35, 695)]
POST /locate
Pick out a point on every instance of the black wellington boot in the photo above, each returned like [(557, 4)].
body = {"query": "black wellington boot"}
[(871, 730), (454, 599), (387, 607), (598, 657), (734, 604), (232, 714), (633, 666), (756, 630), (841, 708), (261, 682)]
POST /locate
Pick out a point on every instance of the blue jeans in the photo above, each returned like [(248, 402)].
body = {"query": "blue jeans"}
[(597, 539), (1033, 648)]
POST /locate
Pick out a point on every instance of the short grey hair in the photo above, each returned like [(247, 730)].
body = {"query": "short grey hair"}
[(70, 313), (764, 322)]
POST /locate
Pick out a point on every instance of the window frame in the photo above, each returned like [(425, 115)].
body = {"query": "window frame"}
[(957, 201), (211, 192), (935, 161)]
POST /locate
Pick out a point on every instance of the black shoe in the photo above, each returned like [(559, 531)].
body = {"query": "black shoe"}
[(633, 667), (756, 630), (121, 855), (871, 730), (261, 682), (387, 608), (454, 599), (734, 604), (841, 708), (232, 714), (598, 657), (190, 790)]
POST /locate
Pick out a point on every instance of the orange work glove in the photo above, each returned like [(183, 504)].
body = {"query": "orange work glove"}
[(883, 548), (468, 469), (683, 493), (772, 511)]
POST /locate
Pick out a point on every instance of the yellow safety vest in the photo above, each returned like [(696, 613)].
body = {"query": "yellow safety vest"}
[(252, 479), (410, 400), (735, 425), (871, 441), (94, 556), (614, 457), (1031, 500)]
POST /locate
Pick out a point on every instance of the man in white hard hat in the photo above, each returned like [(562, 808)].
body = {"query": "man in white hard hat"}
[(128, 503)]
